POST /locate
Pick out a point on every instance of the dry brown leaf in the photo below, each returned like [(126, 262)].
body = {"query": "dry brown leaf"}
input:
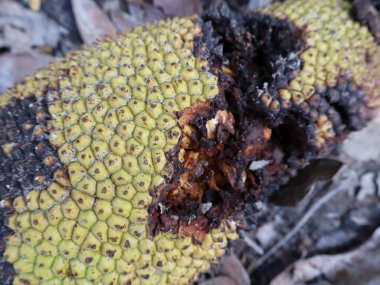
[(360, 266), (124, 21), (23, 29), (62, 13), (139, 14), (232, 267), (255, 4), (153, 13), (109, 5), (14, 67), (93, 23), (353, 146), (220, 280), (179, 7)]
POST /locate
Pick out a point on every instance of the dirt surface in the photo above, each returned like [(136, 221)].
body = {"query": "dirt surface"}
[(331, 237)]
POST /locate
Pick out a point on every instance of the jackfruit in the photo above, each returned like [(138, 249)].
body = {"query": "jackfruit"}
[(127, 162)]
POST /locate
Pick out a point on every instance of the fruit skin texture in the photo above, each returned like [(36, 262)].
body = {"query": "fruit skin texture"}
[(94, 128), (340, 66), (110, 119)]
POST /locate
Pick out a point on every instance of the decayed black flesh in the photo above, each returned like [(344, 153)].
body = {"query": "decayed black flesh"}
[(24, 166), (262, 55), (255, 48)]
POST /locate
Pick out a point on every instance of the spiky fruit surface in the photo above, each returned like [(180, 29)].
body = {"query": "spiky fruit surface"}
[(97, 150)]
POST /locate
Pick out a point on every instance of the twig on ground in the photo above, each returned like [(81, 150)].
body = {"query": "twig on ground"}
[(251, 243), (308, 215)]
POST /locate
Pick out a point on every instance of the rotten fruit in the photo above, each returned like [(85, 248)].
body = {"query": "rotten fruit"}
[(136, 159)]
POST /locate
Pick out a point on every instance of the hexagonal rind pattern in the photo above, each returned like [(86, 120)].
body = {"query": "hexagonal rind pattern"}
[(341, 62), (113, 108)]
